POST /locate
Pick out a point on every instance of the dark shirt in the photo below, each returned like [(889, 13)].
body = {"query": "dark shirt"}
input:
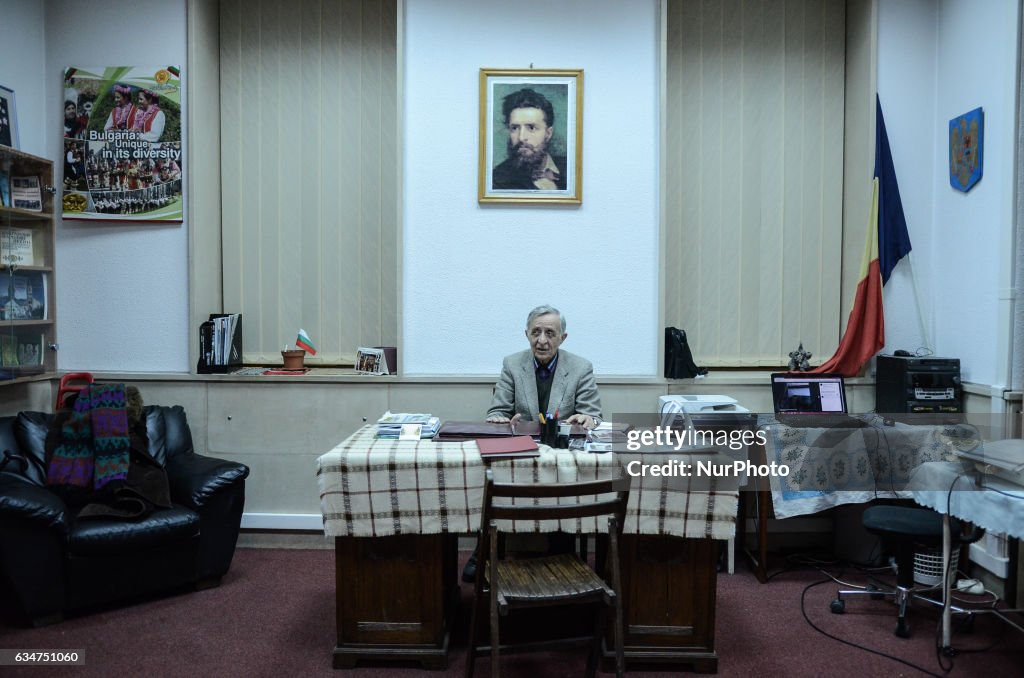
[(543, 374), (507, 175)]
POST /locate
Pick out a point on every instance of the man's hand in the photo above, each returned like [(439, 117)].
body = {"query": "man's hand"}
[(582, 420), (497, 419)]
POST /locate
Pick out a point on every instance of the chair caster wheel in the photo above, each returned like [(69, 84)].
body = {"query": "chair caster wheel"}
[(902, 629), (876, 593), (838, 606)]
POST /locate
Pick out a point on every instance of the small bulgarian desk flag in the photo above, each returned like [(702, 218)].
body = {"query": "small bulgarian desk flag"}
[(305, 343)]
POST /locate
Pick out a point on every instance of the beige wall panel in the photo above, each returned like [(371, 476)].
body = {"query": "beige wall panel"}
[(629, 398), (459, 402), (190, 395), (285, 419), (35, 396), (284, 483)]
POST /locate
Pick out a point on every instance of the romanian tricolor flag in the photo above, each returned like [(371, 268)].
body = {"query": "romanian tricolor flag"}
[(305, 343), (887, 242)]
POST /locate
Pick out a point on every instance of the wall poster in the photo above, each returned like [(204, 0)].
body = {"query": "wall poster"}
[(122, 143)]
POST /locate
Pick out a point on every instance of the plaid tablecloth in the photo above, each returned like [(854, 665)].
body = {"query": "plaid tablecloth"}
[(371, 487)]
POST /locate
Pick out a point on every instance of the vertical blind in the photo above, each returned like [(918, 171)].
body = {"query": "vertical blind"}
[(753, 167), (309, 166)]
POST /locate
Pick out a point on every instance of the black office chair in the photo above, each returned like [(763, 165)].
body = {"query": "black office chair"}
[(563, 579), (905, 530)]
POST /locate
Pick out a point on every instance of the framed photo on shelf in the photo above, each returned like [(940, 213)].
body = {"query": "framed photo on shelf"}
[(23, 295), (531, 136), (370, 361), (8, 118), (26, 193)]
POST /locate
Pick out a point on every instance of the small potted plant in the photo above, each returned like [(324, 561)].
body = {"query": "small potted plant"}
[(294, 359)]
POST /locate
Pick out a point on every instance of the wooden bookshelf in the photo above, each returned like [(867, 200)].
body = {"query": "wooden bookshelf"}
[(28, 285)]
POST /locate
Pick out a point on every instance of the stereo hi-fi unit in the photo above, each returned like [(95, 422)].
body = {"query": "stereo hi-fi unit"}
[(917, 384)]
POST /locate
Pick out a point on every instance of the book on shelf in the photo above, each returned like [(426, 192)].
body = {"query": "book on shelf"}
[(27, 193), (5, 189), (220, 343), (16, 247), (514, 446), (29, 349), (20, 355), (22, 295), (8, 350)]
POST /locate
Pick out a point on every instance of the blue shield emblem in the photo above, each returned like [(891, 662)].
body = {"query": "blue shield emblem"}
[(966, 134)]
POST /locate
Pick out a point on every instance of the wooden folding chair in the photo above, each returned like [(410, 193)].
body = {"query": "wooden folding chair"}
[(549, 580)]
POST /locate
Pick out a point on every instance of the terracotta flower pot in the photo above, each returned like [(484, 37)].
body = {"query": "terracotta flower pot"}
[(293, 360)]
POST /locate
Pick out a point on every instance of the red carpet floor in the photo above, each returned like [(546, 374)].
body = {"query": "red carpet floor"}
[(273, 615)]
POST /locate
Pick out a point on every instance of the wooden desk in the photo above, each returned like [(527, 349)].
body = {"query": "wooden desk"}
[(855, 467), (396, 508)]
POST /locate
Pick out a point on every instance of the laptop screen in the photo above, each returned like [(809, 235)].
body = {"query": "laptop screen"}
[(808, 393)]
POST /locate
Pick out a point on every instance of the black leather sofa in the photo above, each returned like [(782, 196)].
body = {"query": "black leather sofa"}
[(53, 564)]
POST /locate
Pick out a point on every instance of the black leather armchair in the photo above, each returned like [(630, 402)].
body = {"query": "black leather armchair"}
[(53, 563)]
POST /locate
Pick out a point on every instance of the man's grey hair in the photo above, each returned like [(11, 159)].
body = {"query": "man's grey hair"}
[(544, 310)]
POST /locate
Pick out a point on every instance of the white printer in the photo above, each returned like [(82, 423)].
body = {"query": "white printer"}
[(694, 404)]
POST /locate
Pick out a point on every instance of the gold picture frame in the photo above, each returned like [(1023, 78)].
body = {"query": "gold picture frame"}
[(515, 129)]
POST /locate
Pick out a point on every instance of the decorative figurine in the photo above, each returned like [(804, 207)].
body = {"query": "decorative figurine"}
[(798, 359)]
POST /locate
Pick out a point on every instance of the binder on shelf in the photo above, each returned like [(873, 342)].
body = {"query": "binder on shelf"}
[(220, 343)]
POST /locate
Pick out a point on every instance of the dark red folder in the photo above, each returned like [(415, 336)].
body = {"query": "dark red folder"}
[(515, 446)]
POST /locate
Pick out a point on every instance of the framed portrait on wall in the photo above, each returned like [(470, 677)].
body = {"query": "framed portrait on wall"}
[(531, 136), (8, 118)]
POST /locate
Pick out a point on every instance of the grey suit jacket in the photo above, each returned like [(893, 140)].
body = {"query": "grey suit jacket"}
[(572, 391)]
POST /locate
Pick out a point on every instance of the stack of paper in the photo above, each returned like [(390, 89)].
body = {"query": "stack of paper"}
[(609, 432), (390, 425)]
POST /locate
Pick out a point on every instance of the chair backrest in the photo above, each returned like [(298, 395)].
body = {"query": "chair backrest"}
[(71, 383), (593, 498)]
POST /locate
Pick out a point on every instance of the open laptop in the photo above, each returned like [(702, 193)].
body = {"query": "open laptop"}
[(811, 401)]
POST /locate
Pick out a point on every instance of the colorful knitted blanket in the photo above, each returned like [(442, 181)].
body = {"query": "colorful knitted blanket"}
[(92, 450)]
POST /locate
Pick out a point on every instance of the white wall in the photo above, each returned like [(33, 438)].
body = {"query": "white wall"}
[(122, 299), (929, 71), (972, 262), (472, 273), (907, 34), (23, 67)]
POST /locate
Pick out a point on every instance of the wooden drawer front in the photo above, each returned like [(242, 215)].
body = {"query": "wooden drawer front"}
[(392, 590), (669, 585)]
